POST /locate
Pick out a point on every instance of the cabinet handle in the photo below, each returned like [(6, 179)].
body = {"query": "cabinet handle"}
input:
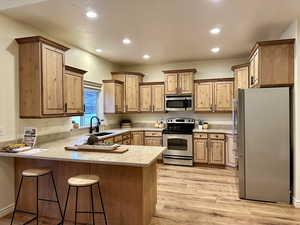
[(66, 107)]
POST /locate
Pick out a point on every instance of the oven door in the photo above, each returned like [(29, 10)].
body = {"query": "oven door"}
[(175, 104), (178, 144)]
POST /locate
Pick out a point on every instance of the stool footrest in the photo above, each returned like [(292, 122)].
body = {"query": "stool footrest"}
[(88, 212), (47, 200), (25, 212)]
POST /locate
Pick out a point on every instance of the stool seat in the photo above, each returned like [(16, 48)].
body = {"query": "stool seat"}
[(35, 172), (83, 180)]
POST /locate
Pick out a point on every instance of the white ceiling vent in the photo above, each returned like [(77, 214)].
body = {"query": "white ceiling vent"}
[(7, 4)]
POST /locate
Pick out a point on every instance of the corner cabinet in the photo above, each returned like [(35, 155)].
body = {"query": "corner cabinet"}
[(179, 81), (152, 97), (241, 77), (213, 95), (41, 76), (113, 95), (272, 63), (73, 91)]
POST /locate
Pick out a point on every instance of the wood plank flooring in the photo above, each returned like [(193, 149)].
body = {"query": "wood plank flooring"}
[(205, 196)]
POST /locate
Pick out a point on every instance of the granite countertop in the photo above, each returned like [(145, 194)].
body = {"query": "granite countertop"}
[(138, 156)]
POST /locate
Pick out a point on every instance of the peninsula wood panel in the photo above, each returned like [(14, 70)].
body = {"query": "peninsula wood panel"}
[(158, 98), (200, 150), (171, 84), (73, 93), (52, 73), (185, 83), (146, 98), (125, 190), (132, 97), (203, 96), (223, 95), (217, 152)]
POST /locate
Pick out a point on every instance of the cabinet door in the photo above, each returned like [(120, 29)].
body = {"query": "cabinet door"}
[(185, 83), (256, 67), (52, 74), (230, 152), (200, 151), (223, 95), (158, 98), (171, 84), (73, 93), (132, 93), (203, 97), (217, 152), (137, 138), (119, 98), (153, 141), (145, 98), (241, 78)]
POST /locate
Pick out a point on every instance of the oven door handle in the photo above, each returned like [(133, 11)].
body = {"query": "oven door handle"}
[(177, 157), (185, 137)]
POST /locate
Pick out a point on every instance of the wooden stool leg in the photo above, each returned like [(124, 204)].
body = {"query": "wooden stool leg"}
[(76, 204), (102, 204), (18, 195), (66, 205), (60, 211), (37, 200), (92, 199)]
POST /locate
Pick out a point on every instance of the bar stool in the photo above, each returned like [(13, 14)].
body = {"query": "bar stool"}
[(84, 181), (36, 173)]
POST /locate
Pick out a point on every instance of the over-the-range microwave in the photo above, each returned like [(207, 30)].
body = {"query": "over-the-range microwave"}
[(179, 103)]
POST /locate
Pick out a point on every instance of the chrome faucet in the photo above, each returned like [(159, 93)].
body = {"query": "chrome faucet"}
[(97, 127)]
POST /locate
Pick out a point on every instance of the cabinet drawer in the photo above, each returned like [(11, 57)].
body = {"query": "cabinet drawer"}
[(118, 138), (126, 142), (200, 135), (217, 136), (153, 134), (126, 136), (153, 141), (109, 140)]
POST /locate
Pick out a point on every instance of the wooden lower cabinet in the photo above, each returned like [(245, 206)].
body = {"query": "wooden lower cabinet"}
[(216, 152), (137, 138), (231, 154), (153, 141), (200, 151)]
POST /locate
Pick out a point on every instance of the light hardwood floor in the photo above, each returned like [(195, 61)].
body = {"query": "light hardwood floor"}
[(206, 196)]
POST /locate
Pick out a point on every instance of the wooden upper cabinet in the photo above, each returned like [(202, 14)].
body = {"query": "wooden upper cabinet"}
[(113, 95), (214, 95), (131, 89), (152, 97), (41, 75), (179, 82), (203, 97), (223, 95), (272, 63), (73, 91), (241, 77)]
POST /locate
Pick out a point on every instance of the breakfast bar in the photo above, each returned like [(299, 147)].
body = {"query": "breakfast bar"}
[(128, 181)]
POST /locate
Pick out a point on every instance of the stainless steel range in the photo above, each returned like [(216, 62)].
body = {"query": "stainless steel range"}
[(178, 138)]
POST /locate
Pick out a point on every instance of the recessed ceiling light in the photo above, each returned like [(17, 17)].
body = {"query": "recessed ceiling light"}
[(146, 56), (126, 41), (98, 50), (215, 30), (91, 14), (215, 50)]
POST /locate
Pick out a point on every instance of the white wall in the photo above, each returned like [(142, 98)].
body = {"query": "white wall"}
[(292, 31), (206, 69), (98, 69)]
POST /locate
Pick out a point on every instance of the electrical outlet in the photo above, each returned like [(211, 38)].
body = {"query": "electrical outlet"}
[(2, 132)]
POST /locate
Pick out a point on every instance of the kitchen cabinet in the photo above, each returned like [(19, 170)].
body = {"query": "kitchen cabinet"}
[(179, 81), (213, 95), (137, 138), (272, 63), (41, 77), (73, 91), (231, 152), (241, 77), (152, 97), (209, 148), (153, 138), (131, 89), (113, 95)]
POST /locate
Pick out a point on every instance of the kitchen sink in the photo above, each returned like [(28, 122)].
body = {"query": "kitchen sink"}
[(102, 134)]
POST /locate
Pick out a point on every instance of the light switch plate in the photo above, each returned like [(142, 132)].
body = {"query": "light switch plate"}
[(2, 131)]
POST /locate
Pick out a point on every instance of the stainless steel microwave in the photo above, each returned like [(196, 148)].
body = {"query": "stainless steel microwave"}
[(179, 103)]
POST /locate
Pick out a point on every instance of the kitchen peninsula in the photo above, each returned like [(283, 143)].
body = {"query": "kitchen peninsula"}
[(128, 181)]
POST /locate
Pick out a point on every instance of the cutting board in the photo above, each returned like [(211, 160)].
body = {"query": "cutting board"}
[(95, 148)]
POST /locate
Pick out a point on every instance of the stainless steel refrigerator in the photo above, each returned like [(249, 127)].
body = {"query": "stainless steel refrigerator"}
[(263, 140)]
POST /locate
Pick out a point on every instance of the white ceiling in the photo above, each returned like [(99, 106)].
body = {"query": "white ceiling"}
[(168, 30)]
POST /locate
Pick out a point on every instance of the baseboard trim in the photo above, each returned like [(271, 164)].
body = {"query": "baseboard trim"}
[(7, 210), (296, 203)]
